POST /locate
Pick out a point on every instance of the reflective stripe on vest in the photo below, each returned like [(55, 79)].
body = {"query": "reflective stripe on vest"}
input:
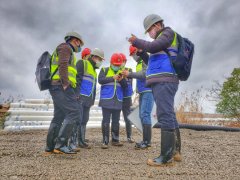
[(159, 63), (128, 91), (141, 82), (108, 90), (88, 84), (72, 71)]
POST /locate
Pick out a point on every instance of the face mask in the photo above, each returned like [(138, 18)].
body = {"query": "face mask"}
[(135, 57), (153, 33), (78, 49), (98, 64), (115, 68), (123, 65)]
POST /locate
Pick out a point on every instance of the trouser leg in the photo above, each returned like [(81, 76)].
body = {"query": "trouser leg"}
[(126, 111), (67, 102), (115, 125)]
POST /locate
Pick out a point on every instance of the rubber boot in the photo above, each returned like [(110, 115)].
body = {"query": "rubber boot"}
[(62, 140), (105, 133), (115, 135), (177, 154), (73, 140), (51, 138), (81, 137), (167, 149), (129, 131), (147, 136)]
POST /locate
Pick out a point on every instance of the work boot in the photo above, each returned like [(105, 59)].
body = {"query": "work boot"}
[(51, 137), (81, 137), (62, 140), (167, 149), (147, 136), (105, 133), (73, 140), (129, 131), (115, 135), (177, 153)]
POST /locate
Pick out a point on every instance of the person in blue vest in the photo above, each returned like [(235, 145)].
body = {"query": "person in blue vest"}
[(111, 98), (86, 82), (62, 90), (163, 80), (145, 99), (127, 101)]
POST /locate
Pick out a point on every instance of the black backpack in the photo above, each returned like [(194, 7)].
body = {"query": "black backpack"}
[(43, 71), (183, 62)]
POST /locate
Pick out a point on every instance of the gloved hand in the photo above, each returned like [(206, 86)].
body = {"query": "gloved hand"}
[(132, 38)]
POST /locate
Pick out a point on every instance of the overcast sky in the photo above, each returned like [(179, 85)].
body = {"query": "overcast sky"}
[(27, 28)]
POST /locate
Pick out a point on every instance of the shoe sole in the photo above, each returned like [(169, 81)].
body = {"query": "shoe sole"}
[(76, 150), (56, 151), (150, 162), (146, 148), (177, 158), (48, 153), (118, 145)]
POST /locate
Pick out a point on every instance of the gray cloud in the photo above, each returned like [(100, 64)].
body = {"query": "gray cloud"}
[(30, 27)]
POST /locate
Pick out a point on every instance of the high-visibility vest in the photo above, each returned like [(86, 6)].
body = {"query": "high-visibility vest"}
[(141, 82), (159, 63), (128, 91), (72, 71), (108, 90), (88, 84)]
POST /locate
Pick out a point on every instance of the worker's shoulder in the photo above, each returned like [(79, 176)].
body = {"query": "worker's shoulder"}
[(63, 47), (168, 30)]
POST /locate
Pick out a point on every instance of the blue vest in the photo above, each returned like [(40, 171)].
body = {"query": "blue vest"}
[(128, 92), (159, 63), (88, 84), (141, 83), (109, 90)]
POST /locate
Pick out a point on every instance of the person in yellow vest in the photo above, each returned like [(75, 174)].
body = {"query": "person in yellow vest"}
[(62, 90), (87, 82), (73, 141), (127, 101), (163, 79), (111, 97), (145, 99)]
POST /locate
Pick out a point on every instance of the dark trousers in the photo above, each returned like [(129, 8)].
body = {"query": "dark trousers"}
[(110, 113), (66, 110), (164, 94), (85, 115), (126, 111)]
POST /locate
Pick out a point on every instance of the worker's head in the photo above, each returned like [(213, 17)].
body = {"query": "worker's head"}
[(75, 40), (133, 53), (116, 61), (97, 56), (124, 59), (153, 24), (86, 53)]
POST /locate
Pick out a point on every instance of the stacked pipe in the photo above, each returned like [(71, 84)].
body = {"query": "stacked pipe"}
[(38, 113)]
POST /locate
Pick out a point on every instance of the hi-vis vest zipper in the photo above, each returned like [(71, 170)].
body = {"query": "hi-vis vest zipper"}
[(88, 84), (72, 71), (159, 63), (108, 90)]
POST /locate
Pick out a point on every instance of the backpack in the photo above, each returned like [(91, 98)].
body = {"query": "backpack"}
[(43, 71), (183, 62)]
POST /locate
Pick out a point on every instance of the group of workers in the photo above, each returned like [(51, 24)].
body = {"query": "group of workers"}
[(73, 90)]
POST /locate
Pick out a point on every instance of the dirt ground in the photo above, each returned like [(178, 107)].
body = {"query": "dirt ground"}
[(206, 155)]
